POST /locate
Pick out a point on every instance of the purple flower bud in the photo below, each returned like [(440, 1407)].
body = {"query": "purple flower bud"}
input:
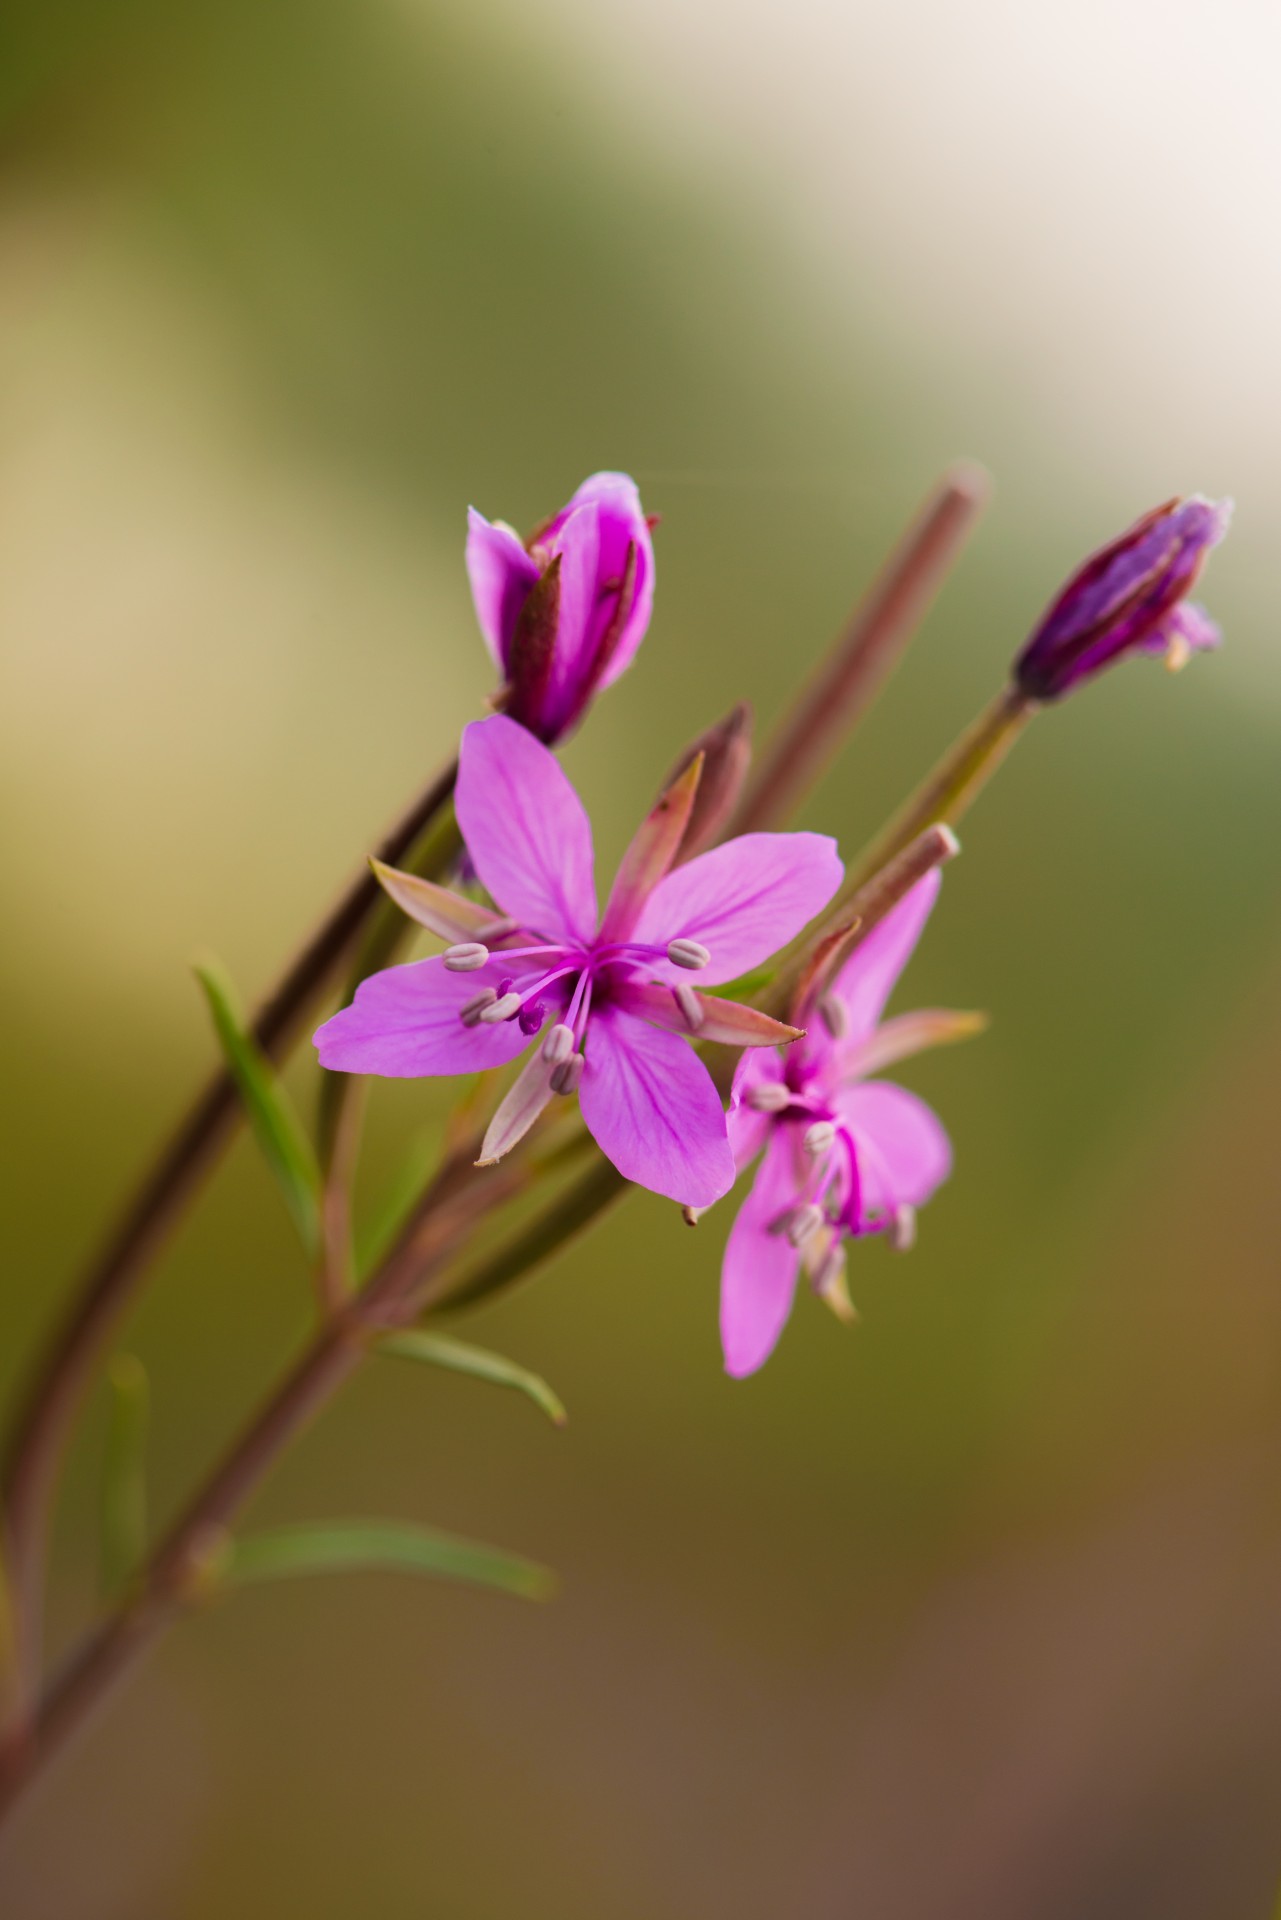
[(1128, 597), (564, 613)]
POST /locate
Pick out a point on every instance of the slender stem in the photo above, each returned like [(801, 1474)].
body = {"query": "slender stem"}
[(871, 645), (952, 788), (62, 1373)]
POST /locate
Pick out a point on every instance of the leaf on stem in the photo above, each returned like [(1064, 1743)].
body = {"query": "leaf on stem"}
[(356, 1546), (458, 1356), (124, 1475), (276, 1125)]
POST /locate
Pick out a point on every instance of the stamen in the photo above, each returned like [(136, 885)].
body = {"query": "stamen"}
[(900, 1229), (566, 1076), (559, 1044), (1177, 654), (690, 1005), (502, 1009), (802, 1222), (501, 929), (466, 957), (768, 1098), (819, 1137), (688, 953), (833, 1015), (471, 1012)]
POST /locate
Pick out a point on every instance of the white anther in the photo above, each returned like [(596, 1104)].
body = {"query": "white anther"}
[(474, 1008), (558, 1045), (834, 1016), (566, 1076), (499, 929), (803, 1222), (466, 957), (1177, 654), (769, 1097), (819, 1137), (900, 1229), (690, 1005), (688, 953), (503, 1009)]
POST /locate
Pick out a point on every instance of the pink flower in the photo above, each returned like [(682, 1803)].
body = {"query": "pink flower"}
[(843, 1155), (564, 613), (1130, 596), (612, 1000)]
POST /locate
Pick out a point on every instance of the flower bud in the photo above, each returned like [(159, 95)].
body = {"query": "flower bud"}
[(564, 613), (1126, 598)]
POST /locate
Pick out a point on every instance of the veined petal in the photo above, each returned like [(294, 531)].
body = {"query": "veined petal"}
[(742, 901), (654, 846), (904, 1155), (446, 914), (651, 1108), (528, 1094), (406, 1023), (621, 523), (501, 574), (909, 1034), (748, 1128), (758, 1278), (526, 830), (727, 1021), (868, 977)]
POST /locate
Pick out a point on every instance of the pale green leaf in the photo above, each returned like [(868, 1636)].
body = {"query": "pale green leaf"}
[(276, 1125), (355, 1546), (440, 1350), (124, 1475)]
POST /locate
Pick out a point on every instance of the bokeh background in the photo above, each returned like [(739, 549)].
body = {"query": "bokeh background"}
[(976, 1610)]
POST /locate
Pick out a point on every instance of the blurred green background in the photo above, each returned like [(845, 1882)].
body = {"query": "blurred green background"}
[(975, 1610)]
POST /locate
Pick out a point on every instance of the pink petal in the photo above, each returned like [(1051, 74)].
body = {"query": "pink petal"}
[(651, 1108), (868, 977), (758, 1277), (621, 522), (578, 544), (404, 1023), (743, 901), (746, 1127), (904, 1155), (501, 574), (526, 831)]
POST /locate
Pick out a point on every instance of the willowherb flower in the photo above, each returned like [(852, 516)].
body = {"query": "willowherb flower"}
[(611, 1000), (564, 612), (1130, 596), (844, 1155)]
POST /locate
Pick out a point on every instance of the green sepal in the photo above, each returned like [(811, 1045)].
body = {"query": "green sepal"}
[(277, 1128), (458, 1356), (360, 1546)]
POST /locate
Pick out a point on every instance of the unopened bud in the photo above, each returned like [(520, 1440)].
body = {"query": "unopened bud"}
[(501, 1010), (466, 957), (819, 1137), (566, 1076), (558, 1045), (688, 953), (473, 1010)]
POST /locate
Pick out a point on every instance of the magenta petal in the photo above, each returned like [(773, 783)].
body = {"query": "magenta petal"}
[(904, 1155), (526, 831), (621, 521), (651, 1108), (501, 574), (578, 545), (405, 1023), (742, 901), (868, 977), (747, 1129), (758, 1277)]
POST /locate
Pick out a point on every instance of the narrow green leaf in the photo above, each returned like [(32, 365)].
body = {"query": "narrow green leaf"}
[(439, 1350), (354, 1546), (375, 1238), (124, 1475), (276, 1125)]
